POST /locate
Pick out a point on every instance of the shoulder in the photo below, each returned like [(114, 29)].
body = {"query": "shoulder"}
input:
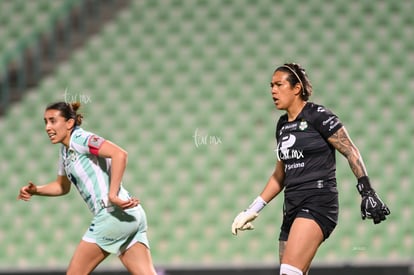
[(282, 120), (318, 108), (317, 112), (80, 137), (322, 118), (79, 133)]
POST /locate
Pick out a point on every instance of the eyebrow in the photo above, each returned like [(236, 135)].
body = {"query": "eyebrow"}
[(49, 118)]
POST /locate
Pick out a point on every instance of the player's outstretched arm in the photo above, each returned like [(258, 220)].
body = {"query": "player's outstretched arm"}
[(59, 187)]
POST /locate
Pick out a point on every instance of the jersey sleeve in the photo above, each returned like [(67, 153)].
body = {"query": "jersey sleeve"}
[(326, 122), (87, 143), (94, 144)]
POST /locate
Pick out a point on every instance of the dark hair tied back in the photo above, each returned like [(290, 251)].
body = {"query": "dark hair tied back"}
[(68, 111)]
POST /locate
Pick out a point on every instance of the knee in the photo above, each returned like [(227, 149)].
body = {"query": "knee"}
[(286, 269)]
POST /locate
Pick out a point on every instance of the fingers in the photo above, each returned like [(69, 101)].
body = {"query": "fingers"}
[(386, 210), (247, 226), (377, 216), (133, 202), (363, 212), (236, 225), (130, 203), (26, 192), (137, 200), (373, 208), (382, 215), (243, 222), (234, 229), (22, 197)]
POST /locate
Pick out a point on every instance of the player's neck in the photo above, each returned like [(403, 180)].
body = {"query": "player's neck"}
[(295, 110), (66, 140)]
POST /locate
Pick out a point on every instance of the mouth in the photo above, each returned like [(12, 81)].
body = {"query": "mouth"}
[(51, 135)]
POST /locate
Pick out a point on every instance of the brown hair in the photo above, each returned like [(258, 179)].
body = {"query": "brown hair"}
[(67, 110), (297, 74)]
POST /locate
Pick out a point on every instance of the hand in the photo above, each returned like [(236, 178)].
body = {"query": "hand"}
[(373, 208), (26, 192), (124, 204), (243, 221)]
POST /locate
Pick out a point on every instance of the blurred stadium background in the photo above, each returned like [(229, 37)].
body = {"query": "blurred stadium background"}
[(183, 87)]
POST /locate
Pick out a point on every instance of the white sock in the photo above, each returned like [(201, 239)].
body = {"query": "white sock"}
[(286, 269)]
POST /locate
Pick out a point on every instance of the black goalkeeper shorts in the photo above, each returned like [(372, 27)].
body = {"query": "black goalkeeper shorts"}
[(318, 204)]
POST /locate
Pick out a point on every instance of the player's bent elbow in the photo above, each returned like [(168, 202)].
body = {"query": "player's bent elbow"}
[(65, 184), (65, 190), (123, 156)]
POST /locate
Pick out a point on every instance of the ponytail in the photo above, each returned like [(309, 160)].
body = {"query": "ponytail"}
[(78, 117)]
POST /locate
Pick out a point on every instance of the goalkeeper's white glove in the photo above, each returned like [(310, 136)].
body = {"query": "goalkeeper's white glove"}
[(243, 219)]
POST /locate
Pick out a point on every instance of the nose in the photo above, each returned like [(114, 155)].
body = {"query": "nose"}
[(47, 126), (273, 89)]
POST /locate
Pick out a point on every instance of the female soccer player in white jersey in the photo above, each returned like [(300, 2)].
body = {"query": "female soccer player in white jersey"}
[(95, 166)]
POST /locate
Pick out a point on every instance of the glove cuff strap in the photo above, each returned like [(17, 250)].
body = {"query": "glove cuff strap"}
[(257, 205), (364, 185)]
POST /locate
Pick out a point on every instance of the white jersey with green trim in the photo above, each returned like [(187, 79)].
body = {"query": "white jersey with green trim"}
[(90, 173)]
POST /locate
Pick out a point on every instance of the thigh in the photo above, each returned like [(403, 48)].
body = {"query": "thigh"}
[(86, 257), (137, 259), (305, 236)]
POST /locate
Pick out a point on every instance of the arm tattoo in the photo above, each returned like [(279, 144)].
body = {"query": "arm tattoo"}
[(342, 142)]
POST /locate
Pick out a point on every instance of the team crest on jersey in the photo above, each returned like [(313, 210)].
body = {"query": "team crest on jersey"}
[(303, 125), (71, 155)]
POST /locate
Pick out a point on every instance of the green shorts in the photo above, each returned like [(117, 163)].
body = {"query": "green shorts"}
[(115, 230)]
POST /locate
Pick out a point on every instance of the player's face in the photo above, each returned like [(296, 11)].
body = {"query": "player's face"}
[(283, 93), (57, 127)]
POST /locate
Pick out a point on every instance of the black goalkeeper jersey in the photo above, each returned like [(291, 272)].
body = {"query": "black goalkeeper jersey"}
[(303, 147)]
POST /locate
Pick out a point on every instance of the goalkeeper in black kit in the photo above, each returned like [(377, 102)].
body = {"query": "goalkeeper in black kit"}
[(307, 137)]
